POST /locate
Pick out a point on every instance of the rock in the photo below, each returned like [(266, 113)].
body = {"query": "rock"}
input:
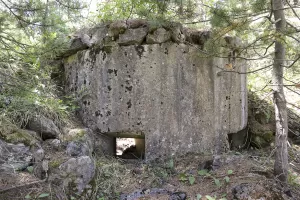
[(81, 141), (136, 23), (116, 28), (99, 34), (38, 155), (24, 136), (196, 37), (44, 126), (132, 36), (178, 196), (159, 36), (247, 191), (78, 149), (79, 171), (55, 143), (14, 157), (177, 35)]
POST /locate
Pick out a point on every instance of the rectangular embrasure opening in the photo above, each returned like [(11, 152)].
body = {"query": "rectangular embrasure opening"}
[(129, 145), (130, 148)]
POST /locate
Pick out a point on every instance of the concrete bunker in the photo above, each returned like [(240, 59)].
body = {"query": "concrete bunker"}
[(157, 81)]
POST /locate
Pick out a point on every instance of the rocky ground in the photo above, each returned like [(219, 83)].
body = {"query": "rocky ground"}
[(240, 175), (64, 163)]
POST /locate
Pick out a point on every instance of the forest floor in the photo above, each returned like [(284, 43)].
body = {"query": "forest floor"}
[(241, 175)]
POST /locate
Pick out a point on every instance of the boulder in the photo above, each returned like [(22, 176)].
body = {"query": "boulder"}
[(159, 36), (76, 148), (247, 191), (132, 36), (14, 157), (177, 35), (99, 34), (196, 37), (38, 155), (27, 137), (55, 144), (45, 127), (116, 28), (136, 23), (80, 141), (79, 171)]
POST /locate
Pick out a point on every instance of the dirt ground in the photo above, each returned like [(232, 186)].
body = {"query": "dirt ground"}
[(241, 175)]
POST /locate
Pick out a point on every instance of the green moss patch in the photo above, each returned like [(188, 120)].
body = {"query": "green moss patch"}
[(21, 136)]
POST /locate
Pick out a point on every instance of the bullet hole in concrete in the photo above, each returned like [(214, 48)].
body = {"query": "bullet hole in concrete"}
[(104, 56), (116, 72), (161, 103), (129, 104), (151, 67), (194, 65), (125, 53), (126, 65), (108, 113), (166, 51), (227, 97), (139, 123), (84, 102), (109, 88), (129, 88), (110, 71), (129, 76), (140, 50), (98, 113), (127, 82), (130, 148), (122, 85)]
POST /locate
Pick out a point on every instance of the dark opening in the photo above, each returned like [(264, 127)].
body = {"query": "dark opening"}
[(130, 148)]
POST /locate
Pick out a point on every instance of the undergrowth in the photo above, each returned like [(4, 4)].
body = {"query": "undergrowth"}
[(30, 93)]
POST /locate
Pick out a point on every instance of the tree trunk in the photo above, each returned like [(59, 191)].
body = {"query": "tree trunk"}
[(281, 155)]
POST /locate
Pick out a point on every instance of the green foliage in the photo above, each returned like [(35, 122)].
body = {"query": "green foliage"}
[(203, 172), (217, 182), (40, 196), (192, 180), (293, 179), (199, 196), (227, 179), (259, 5), (31, 34), (43, 195), (210, 198), (30, 169), (149, 9)]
